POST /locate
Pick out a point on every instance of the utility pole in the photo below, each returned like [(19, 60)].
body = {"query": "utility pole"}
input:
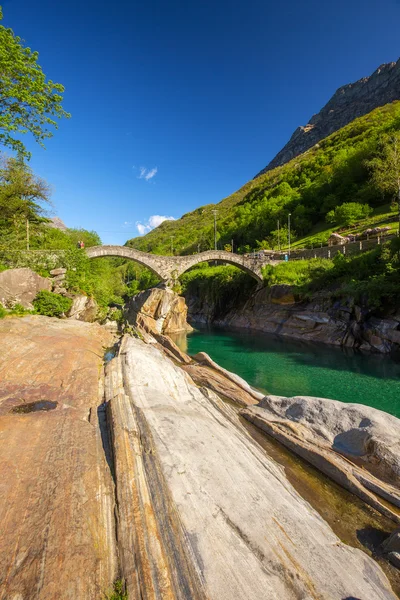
[(27, 234), (172, 245), (215, 227), (198, 248), (232, 246), (289, 230), (279, 238)]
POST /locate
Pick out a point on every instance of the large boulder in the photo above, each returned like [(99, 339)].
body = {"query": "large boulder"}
[(20, 286), (203, 511), (357, 446), (158, 310), (83, 308)]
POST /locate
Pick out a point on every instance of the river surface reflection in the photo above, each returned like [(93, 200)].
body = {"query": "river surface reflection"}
[(288, 367)]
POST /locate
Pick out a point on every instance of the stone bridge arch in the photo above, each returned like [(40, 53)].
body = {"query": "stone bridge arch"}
[(169, 268), (251, 266)]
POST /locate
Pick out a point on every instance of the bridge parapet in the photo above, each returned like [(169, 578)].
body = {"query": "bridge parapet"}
[(169, 268)]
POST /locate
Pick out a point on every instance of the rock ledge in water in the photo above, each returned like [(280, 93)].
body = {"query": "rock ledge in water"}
[(357, 446), (214, 517)]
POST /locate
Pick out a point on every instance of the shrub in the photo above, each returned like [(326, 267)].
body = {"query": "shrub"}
[(50, 304), (118, 592), (3, 312), (19, 310), (349, 213)]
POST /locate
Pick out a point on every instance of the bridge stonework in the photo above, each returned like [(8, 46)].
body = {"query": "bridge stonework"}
[(169, 268)]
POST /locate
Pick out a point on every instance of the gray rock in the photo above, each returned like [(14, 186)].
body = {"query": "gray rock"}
[(323, 431), (194, 487), (59, 271), (83, 308), (20, 286), (158, 310)]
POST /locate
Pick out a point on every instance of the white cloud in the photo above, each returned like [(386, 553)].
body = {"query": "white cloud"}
[(142, 229), (147, 174), (153, 221), (127, 223)]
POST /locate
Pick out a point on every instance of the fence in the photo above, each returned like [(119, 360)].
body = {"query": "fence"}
[(348, 249)]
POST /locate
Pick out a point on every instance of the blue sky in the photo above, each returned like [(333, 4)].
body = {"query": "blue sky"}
[(177, 103)]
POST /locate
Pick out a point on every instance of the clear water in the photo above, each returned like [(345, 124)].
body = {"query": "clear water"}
[(293, 368)]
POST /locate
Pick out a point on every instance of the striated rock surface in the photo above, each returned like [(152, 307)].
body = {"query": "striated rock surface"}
[(159, 310), (20, 286), (203, 511), (56, 490), (83, 308), (356, 445), (349, 102), (277, 310)]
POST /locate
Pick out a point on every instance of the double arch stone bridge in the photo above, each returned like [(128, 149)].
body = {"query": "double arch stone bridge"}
[(169, 268)]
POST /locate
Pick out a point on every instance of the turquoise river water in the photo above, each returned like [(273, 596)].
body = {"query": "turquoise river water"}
[(292, 368)]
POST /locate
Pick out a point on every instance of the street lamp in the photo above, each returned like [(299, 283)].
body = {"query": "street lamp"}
[(215, 228), (279, 238), (289, 231)]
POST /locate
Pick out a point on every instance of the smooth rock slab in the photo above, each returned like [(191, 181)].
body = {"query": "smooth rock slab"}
[(247, 531), (56, 492)]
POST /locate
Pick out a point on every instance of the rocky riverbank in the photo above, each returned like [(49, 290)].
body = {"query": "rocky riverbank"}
[(143, 472), (277, 310), (56, 489)]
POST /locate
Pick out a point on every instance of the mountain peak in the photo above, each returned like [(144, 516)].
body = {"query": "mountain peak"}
[(347, 103)]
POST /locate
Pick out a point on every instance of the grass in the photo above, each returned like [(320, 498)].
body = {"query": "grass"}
[(118, 592), (381, 217)]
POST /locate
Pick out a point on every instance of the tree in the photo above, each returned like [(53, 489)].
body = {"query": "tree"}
[(386, 168), (22, 195), (28, 102), (348, 213)]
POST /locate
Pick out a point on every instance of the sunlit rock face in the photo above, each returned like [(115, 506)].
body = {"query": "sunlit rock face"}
[(349, 102), (20, 286), (158, 310), (83, 309), (56, 490), (203, 511)]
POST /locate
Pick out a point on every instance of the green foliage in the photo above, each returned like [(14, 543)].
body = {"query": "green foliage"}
[(19, 310), (118, 592), (3, 312), (28, 102), (22, 196), (372, 277), (298, 273), (50, 304), (385, 166), (222, 287), (348, 213), (336, 172)]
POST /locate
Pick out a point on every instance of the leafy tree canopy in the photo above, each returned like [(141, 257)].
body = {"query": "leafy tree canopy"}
[(348, 213), (21, 192), (28, 102)]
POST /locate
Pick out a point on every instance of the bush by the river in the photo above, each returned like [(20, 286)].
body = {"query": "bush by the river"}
[(51, 305)]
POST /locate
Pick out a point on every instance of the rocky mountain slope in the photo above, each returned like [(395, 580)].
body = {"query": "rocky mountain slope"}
[(331, 173), (349, 102)]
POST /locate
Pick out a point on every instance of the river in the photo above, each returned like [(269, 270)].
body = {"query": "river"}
[(289, 367)]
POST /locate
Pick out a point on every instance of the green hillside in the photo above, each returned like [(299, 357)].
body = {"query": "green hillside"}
[(334, 172)]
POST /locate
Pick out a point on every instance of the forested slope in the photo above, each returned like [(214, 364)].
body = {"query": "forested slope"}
[(336, 171)]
